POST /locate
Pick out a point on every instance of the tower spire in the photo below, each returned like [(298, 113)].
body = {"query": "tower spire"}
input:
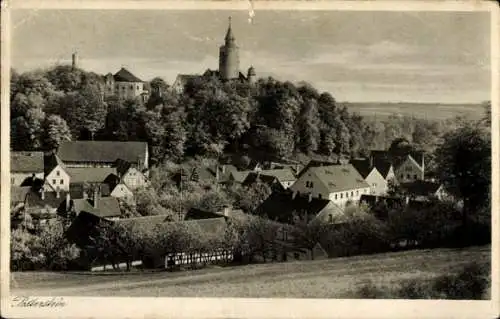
[(229, 34)]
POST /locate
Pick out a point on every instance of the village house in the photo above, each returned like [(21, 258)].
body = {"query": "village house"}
[(341, 184), (25, 168), (408, 167), (130, 175), (379, 185), (57, 177), (286, 207), (76, 154), (422, 190), (103, 207), (270, 180)]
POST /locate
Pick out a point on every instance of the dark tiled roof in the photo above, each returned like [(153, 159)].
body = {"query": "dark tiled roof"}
[(51, 161), (382, 166), (34, 199), (106, 207), (339, 177), (102, 151), (149, 223), (124, 75), (183, 79), (362, 166), (281, 206), (76, 190), (18, 194), (396, 159), (420, 188), (26, 162), (89, 174)]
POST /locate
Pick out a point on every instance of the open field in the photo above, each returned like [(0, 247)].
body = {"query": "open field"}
[(333, 278), (418, 110)]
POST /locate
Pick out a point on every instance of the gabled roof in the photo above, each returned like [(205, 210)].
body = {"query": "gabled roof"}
[(382, 166), (125, 75), (315, 163), (396, 159), (34, 199), (420, 188), (149, 223), (51, 161), (339, 177), (89, 174), (282, 174), (281, 206), (240, 176), (26, 162), (76, 190), (362, 166), (102, 151), (106, 207), (271, 181)]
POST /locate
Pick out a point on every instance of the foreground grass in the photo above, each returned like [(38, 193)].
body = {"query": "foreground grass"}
[(333, 278)]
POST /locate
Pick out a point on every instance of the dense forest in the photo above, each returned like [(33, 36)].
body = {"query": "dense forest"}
[(268, 120)]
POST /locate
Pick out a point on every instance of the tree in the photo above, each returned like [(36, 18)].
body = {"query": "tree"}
[(19, 134), (35, 119), (308, 127), (85, 110), (464, 166), (56, 131), (307, 233)]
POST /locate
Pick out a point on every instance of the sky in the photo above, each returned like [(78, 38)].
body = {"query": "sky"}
[(357, 56)]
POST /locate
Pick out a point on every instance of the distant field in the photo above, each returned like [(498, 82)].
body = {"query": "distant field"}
[(332, 278), (419, 110)]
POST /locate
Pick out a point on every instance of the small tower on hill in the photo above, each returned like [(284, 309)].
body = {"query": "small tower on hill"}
[(251, 75), (229, 60), (74, 60)]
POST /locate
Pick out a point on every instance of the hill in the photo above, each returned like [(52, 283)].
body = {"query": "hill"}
[(419, 110), (332, 278)]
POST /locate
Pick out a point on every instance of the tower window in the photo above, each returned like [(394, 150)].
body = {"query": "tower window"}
[(58, 173)]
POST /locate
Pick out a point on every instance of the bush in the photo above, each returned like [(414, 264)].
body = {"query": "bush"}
[(369, 290), (470, 283), (414, 289)]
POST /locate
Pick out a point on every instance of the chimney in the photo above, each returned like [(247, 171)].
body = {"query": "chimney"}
[(42, 195), (370, 158), (310, 197), (96, 197), (407, 200), (139, 163), (223, 169), (68, 199), (58, 193)]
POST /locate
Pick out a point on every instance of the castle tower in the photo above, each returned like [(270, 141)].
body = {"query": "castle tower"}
[(229, 60), (251, 75), (74, 60)]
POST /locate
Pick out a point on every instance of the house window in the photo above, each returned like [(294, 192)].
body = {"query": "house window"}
[(61, 182), (138, 87), (335, 196), (58, 173), (131, 87), (12, 180), (319, 196), (352, 193), (341, 195), (296, 256), (54, 181), (357, 193), (330, 218), (408, 176), (415, 176), (346, 194)]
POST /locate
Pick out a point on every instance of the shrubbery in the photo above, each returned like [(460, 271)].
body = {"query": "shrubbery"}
[(471, 282)]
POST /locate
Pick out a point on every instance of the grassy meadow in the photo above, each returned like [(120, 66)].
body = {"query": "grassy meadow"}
[(331, 278)]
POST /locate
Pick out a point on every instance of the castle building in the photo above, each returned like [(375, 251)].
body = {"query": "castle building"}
[(229, 65), (123, 84)]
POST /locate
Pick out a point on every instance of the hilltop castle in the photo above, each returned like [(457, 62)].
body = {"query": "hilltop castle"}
[(229, 65)]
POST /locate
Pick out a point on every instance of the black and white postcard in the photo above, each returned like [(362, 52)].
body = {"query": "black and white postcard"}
[(170, 159)]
